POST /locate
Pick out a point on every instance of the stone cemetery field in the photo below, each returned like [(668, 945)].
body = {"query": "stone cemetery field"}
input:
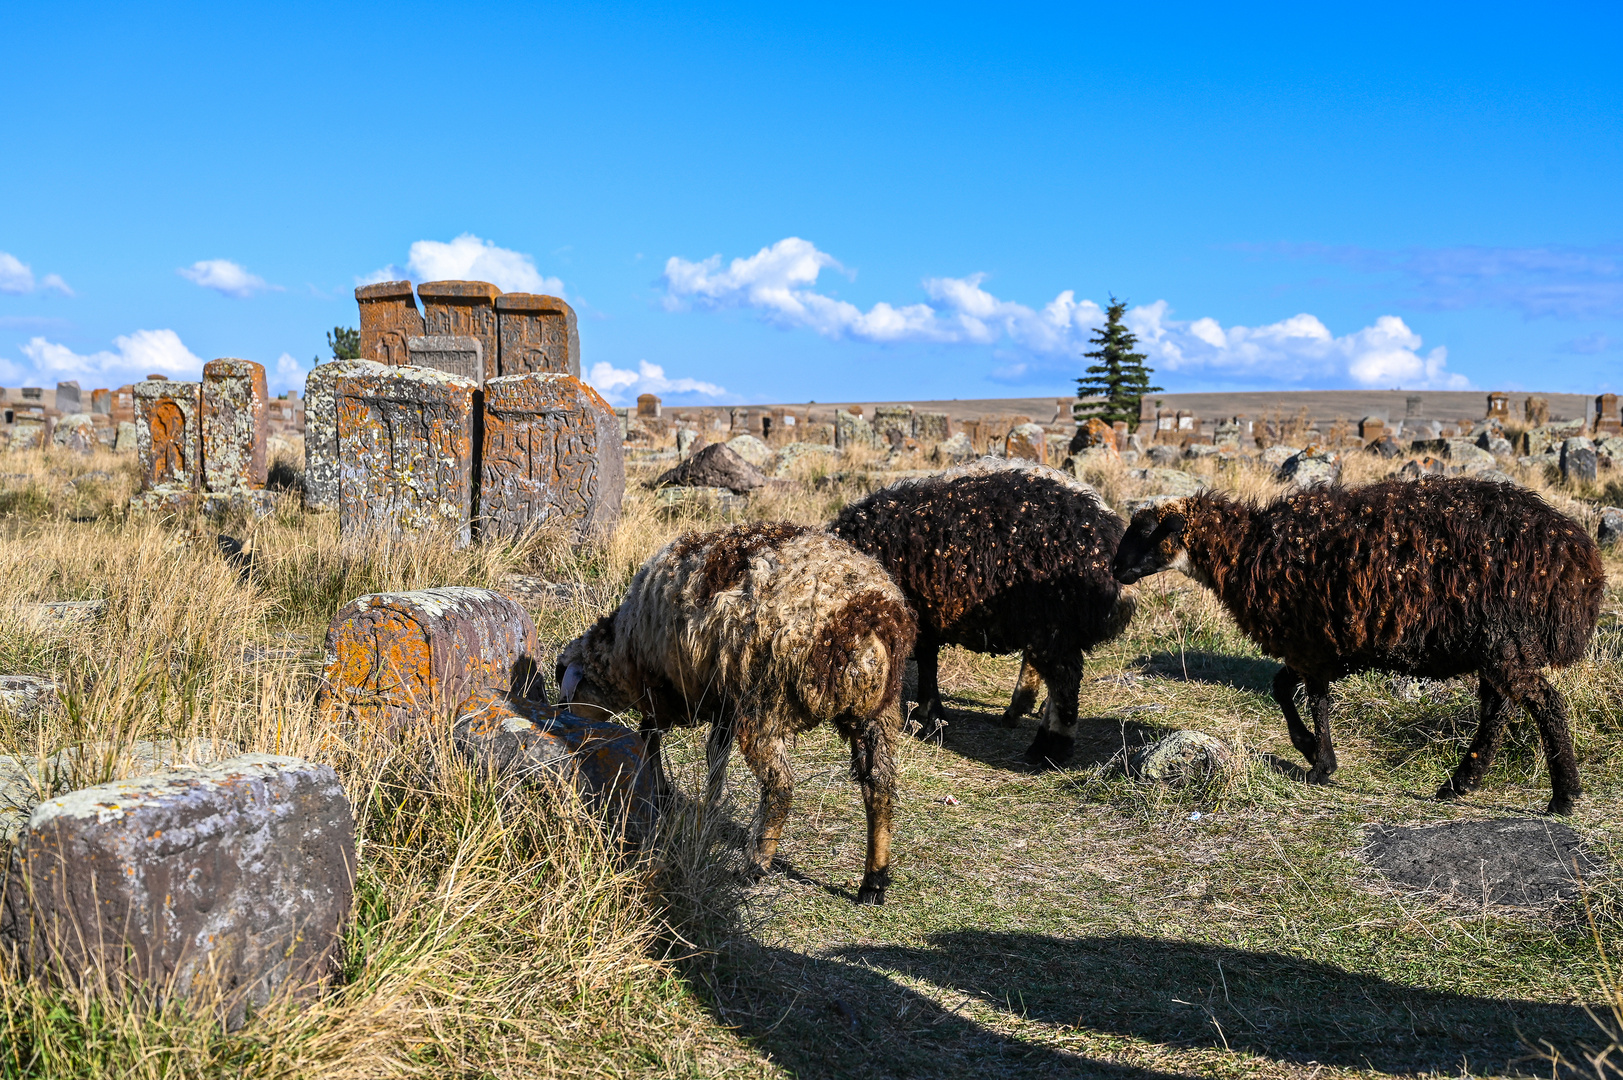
[(1195, 910)]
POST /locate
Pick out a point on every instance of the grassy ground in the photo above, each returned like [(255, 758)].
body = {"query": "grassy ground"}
[(1064, 923)]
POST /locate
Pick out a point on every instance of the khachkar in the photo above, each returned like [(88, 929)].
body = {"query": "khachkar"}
[(463, 309), (234, 399), (389, 316), (321, 427), (517, 333), (537, 333), (167, 442), (550, 457), (405, 452)]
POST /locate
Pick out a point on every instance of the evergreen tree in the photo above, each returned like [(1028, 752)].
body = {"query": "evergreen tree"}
[(345, 343), (1119, 377)]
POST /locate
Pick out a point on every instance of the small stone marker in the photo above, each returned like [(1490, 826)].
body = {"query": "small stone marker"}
[(405, 441), (68, 397), (101, 402), (233, 878), (166, 432), (463, 309), (893, 418), (1578, 460), (234, 399), (648, 407), (389, 316), (453, 354), (27, 432), (126, 441), (551, 454), (541, 744), (400, 660), (1514, 861), (1028, 442), (537, 333), (321, 428), (850, 429)]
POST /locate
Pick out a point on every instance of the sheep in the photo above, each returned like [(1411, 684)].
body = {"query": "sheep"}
[(1001, 557), (764, 631), (1437, 577)]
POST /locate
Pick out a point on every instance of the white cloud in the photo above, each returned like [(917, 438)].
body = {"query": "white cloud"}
[(622, 387), (779, 283), (289, 374), (468, 258), (138, 355), (226, 278), (17, 278)]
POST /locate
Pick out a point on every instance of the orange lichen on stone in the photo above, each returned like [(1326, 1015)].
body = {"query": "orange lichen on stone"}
[(462, 308), (166, 432), (234, 398), (389, 316), (538, 333)]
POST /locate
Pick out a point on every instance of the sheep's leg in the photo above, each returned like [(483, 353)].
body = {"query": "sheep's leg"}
[(1549, 709), (873, 763), (718, 747), (1324, 761), (1026, 687), (930, 714), (1056, 736), (1286, 681), (651, 739), (768, 759), (1490, 734)]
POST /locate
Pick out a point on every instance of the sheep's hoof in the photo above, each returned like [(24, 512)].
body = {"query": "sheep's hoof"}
[(872, 892), (1454, 789), (1049, 749), (1010, 718), (1317, 775), (1560, 805)]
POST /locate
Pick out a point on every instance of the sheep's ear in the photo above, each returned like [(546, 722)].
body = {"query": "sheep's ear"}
[(1174, 524)]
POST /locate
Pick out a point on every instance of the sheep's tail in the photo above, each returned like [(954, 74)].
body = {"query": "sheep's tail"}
[(857, 659)]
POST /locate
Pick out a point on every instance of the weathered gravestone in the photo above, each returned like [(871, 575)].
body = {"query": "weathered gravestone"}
[(893, 419), (463, 309), (537, 333), (229, 883), (1578, 460), (1512, 861), (932, 427), (75, 432), (551, 455), (321, 428), (405, 452), (234, 399), (715, 466), (851, 429), (101, 402), (68, 397), (1536, 410), (398, 661), (539, 744), (167, 424), (453, 354), (27, 432), (1027, 441), (389, 316)]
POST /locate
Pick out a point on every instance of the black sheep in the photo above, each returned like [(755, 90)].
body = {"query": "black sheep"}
[(1001, 558), (1437, 577)]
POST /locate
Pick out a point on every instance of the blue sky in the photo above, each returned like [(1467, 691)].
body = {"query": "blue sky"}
[(829, 202)]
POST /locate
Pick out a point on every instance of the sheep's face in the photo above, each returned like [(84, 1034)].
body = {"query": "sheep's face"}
[(1153, 543), (580, 688)]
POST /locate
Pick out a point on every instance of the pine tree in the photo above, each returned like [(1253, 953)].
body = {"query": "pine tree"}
[(1119, 378), (345, 343)]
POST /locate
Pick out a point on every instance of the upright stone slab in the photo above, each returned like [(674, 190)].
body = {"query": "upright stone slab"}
[(389, 316), (1606, 415), (463, 309), (234, 402), (551, 455), (167, 422), (852, 430), (893, 418), (101, 402), (1536, 410), (235, 876), (396, 661), (932, 427), (123, 410), (453, 354), (1027, 441), (69, 400), (1498, 406), (405, 453), (321, 428), (537, 333), (648, 408)]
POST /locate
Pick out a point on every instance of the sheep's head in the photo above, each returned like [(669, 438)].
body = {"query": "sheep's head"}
[(582, 679), (1153, 543)]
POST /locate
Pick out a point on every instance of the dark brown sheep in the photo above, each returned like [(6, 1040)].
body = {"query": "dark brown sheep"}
[(1437, 577), (762, 631), (1001, 558)]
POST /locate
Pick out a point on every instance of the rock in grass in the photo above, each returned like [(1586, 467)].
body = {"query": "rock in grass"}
[(232, 879), (26, 696), (1610, 529), (715, 466), (1182, 757)]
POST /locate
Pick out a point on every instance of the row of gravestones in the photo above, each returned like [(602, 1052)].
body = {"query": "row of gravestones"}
[(205, 437), (230, 882)]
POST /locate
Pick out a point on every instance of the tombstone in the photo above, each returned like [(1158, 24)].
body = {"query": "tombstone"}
[(127, 439), (389, 316), (1028, 442), (1498, 406), (405, 452), (463, 309), (1371, 428), (27, 432), (1536, 411), (932, 427), (1412, 405), (400, 663), (1166, 426), (1226, 433), (231, 881), (1578, 460), (536, 333), (101, 402), (648, 407), (1606, 417), (167, 441), (76, 432), (551, 456), (321, 428), (452, 354), (233, 424), (1091, 433), (68, 398), (123, 408), (850, 429), (893, 418)]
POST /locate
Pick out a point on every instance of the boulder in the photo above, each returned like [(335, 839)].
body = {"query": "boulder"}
[(685, 438), (1578, 461), (751, 449), (1173, 482), (717, 466), (1386, 446), (1182, 757), (795, 452), (230, 881), (1205, 450), (1276, 456), (1495, 443), (1467, 455), (1610, 529), (26, 696), (1162, 454), (1415, 468), (75, 432), (1313, 466), (954, 450), (1028, 442)]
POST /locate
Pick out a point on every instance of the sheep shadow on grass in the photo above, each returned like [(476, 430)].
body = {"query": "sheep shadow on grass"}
[(1254, 674), (847, 1012), (976, 733)]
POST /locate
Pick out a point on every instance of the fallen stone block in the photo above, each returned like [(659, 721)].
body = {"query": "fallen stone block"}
[(1174, 482), (229, 882), (401, 660), (541, 744), (76, 432), (752, 450), (26, 696), (61, 615), (1315, 466), (705, 500)]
